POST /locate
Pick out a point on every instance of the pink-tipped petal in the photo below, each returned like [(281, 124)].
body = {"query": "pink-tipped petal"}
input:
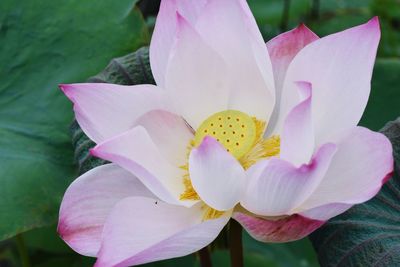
[(297, 145), (276, 187), (216, 175), (357, 171), (196, 76), (170, 134), (230, 29), (136, 152), (141, 230), (282, 49), (286, 229), (339, 67), (88, 201), (165, 30), (106, 110)]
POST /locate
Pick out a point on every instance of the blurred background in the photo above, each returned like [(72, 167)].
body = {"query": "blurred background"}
[(44, 43)]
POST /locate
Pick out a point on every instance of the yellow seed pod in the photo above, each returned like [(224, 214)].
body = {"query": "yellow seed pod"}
[(235, 130)]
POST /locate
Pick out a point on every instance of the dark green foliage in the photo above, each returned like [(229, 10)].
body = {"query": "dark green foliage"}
[(131, 69), (383, 104), (44, 43), (368, 234)]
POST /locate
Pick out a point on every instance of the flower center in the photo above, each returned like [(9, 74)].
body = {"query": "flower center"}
[(242, 136), (235, 130)]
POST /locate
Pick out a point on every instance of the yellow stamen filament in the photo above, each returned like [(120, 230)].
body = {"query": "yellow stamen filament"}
[(210, 213)]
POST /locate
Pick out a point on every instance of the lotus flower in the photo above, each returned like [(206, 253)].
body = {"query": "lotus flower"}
[(264, 134)]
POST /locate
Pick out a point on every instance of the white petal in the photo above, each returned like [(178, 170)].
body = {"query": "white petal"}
[(165, 30), (230, 29), (88, 201), (136, 152), (360, 166), (297, 145), (106, 110), (170, 134), (141, 230), (216, 175), (276, 187), (325, 212), (196, 77), (339, 67)]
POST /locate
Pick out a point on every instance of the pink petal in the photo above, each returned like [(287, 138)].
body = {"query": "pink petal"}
[(216, 175), (297, 145), (165, 30), (88, 201), (281, 230), (196, 77), (276, 187), (339, 67), (358, 169), (141, 230), (136, 152), (282, 49), (106, 110), (169, 133), (230, 29)]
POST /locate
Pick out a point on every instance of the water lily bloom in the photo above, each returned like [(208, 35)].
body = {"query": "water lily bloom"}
[(265, 134)]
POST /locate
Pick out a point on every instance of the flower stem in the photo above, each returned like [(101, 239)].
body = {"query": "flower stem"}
[(235, 242), (205, 259), (22, 251)]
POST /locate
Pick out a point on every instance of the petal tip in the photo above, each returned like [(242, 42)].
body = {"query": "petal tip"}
[(387, 177), (374, 21), (94, 152), (63, 86), (206, 143), (374, 25), (303, 29), (66, 89), (61, 228)]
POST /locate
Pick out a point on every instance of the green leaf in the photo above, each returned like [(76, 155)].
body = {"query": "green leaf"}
[(368, 234), (45, 239), (389, 15), (298, 253), (383, 103), (269, 14), (44, 43)]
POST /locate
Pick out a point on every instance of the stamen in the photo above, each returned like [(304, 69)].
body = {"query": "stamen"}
[(210, 213)]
